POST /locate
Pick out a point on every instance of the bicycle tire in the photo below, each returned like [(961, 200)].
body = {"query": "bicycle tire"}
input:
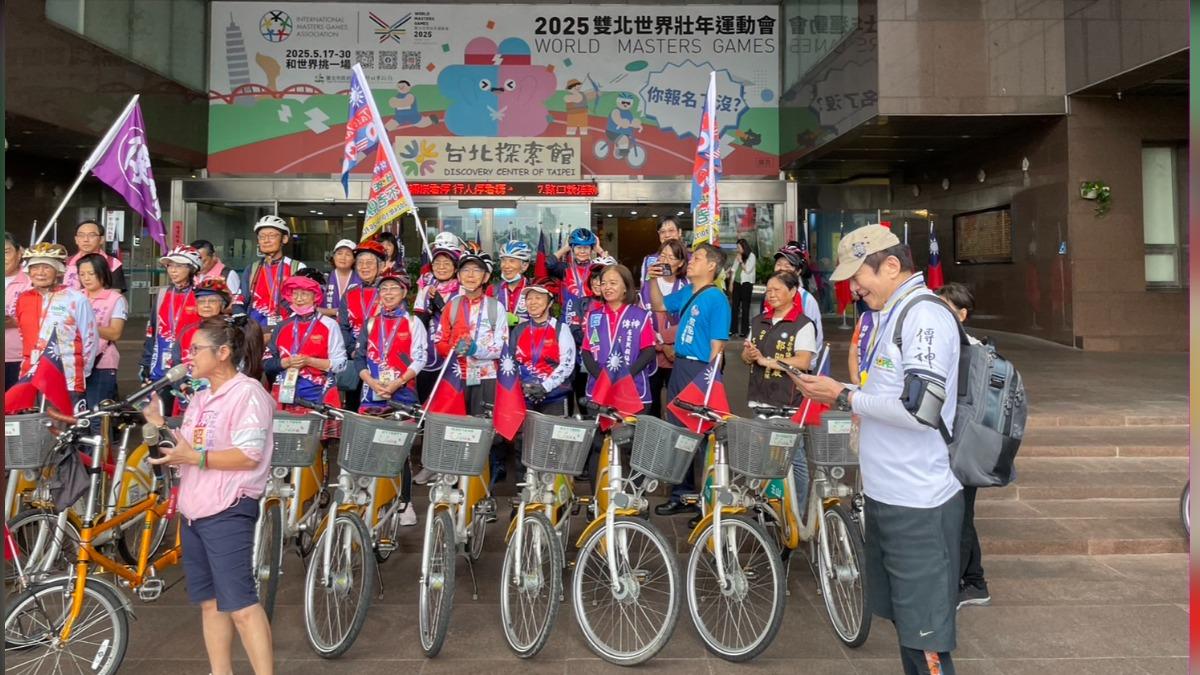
[(707, 599), (268, 556), (42, 609), (850, 629), (539, 547), (477, 533), (130, 539), (27, 527), (1185, 508), (350, 540), (435, 590), (591, 565)]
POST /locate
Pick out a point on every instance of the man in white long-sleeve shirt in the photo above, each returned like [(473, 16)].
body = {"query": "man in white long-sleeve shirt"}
[(914, 505)]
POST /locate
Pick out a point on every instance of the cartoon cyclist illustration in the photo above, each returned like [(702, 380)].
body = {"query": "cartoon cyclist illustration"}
[(622, 125)]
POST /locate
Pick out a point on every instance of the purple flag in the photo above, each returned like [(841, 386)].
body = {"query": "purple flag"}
[(125, 167)]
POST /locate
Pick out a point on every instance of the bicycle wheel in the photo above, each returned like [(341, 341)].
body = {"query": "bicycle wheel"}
[(842, 578), (99, 635), (477, 532), (529, 596), (1185, 508), (136, 484), (336, 602), (268, 555), (33, 531), (436, 588), (626, 621), (739, 621)]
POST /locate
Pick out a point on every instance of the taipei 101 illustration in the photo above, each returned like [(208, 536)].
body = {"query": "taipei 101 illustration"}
[(236, 61)]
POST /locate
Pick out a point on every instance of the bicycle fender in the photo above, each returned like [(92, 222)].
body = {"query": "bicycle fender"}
[(512, 524), (95, 579), (704, 522), (599, 523)]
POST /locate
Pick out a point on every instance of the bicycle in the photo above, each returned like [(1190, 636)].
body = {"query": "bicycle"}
[(363, 515), (291, 504), (625, 585), (460, 506), (53, 619), (1185, 508)]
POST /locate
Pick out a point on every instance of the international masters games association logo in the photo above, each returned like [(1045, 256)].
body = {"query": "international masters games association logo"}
[(275, 26)]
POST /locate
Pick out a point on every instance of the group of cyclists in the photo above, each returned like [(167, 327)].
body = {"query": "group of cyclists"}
[(365, 338)]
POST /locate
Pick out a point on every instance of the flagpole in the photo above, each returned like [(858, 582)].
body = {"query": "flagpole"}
[(102, 148), (714, 146), (716, 363), (390, 153), (438, 381), (808, 401)]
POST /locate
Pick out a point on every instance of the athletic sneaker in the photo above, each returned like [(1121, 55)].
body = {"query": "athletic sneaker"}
[(408, 515), (423, 476), (970, 594)]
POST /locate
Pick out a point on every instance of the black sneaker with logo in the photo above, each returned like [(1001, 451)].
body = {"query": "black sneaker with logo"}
[(971, 594)]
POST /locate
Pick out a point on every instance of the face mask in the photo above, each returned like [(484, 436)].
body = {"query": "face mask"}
[(304, 311), (511, 280)]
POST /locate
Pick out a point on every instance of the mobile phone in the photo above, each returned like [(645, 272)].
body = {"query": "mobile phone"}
[(664, 269), (791, 369)]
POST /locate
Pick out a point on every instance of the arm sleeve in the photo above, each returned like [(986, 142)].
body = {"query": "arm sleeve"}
[(148, 345), (359, 359), (675, 301), (234, 282), (646, 337), (806, 340), (566, 360), (273, 364), (557, 268), (249, 433), (89, 334), (443, 345), (420, 345), (337, 346), (717, 312), (120, 309), (931, 349), (589, 362), (644, 358), (118, 276)]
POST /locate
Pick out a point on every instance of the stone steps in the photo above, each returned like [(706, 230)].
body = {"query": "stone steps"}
[(1091, 527), (1089, 441), (1090, 477)]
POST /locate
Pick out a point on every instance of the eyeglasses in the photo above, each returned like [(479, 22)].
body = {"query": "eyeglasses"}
[(269, 235), (195, 348), (87, 235)]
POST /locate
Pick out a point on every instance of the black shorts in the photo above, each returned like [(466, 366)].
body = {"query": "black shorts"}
[(912, 570), (217, 556)]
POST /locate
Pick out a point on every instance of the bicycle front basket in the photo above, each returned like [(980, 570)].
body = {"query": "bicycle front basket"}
[(762, 448), (27, 441), (295, 439), (662, 450), (556, 444), (829, 442), (374, 446), (456, 444)]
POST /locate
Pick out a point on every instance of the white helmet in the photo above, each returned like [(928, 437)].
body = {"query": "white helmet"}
[(448, 241), (273, 221)]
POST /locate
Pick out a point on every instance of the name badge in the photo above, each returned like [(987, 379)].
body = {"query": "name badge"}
[(287, 391)]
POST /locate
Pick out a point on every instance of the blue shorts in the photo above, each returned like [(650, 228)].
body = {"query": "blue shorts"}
[(217, 556)]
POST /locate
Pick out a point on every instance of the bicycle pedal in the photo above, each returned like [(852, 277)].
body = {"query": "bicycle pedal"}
[(386, 546), (150, 590)]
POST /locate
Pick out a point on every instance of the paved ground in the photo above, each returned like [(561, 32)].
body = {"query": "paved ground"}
[(1106, 456)]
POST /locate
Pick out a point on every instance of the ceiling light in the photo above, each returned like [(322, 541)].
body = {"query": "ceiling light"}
[(320, 213), (312, 210), (609, 215), (653, 215), (680, 213), (361, 211), (633, 213)]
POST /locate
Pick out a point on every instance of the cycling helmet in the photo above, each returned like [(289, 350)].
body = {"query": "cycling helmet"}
[(214, 286), (45, 253), (273, 221), (792, 254), (581, 236), (373, 247), (397, 277), (483, 261), (517, 249), (312, 273), (543, 285), (604, 261), (184, 255), (448, 241)]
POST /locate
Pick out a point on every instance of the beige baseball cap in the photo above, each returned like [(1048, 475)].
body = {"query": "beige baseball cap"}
[(859, 244)]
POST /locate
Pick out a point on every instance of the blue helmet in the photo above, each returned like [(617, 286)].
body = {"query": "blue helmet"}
[(517, 249), (581, 236)]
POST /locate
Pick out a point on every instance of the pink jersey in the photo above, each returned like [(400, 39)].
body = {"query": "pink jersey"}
[(13, 286), (237, 415), (107, 305)]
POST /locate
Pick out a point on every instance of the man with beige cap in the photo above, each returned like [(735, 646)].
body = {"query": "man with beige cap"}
[(914, 504)]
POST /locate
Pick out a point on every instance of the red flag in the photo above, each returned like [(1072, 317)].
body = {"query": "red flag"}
[(540, 271), (45, 377), (809, 414), (707, 389), (615, 388), (841, 291), (509, 412), (934, 279), (448, 397)]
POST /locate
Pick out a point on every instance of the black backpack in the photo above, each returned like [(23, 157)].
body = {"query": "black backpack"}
[(989, 421)]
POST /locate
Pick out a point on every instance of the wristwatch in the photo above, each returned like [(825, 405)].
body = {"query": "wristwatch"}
[(843, 400)]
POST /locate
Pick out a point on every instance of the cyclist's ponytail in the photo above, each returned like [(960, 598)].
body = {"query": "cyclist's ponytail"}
[(244, 338)]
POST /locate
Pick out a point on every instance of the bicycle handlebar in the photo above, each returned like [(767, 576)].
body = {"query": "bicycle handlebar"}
[(408, 410), (702, 411), (774, 411)]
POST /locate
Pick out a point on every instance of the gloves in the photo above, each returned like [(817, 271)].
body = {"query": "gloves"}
[(464, 347), (436, 303), (513, 319), (143, 373), (534, 392)]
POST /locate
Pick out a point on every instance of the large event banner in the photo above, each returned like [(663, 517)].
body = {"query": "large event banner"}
[(624, 83)]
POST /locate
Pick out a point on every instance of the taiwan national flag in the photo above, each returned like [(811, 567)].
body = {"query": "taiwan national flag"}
[(809, 414), (47, 378), (449, 397), (615, 389), (841, 291), (540, 271), (707, 389), (934, 279), (509, 412), (361, 131)]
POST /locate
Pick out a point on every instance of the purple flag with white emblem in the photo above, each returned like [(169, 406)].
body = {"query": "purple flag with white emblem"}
[(125, 167)]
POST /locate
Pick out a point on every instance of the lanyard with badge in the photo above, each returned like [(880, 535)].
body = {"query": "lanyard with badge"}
[(362, 303), (473, 373), (865, 368), (387, 374), (538, 343), (35, 354), (287, 391), (273, 291)]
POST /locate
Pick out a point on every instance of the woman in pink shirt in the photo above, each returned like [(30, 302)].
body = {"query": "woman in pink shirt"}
[(223, 451), (111, 311), (16, 282)]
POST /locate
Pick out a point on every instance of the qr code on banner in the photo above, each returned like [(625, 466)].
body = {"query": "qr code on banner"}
[(366, 57), (388, 60), (411, 61)]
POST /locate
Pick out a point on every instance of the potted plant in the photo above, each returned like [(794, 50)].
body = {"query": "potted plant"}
[(1097, 191)]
